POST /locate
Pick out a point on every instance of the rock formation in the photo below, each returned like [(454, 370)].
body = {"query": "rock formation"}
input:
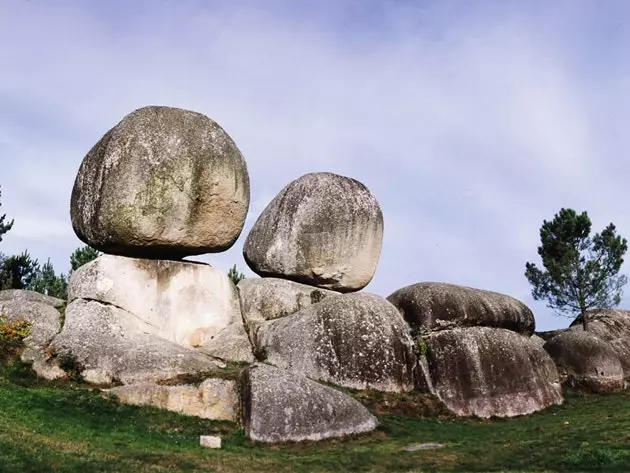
[(475, 352), (323, 229), (163, 183), (279, 406), (353, 340), (586, 361), (434, 306)]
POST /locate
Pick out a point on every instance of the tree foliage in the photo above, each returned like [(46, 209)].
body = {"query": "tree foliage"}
[(47, 282), (18, 271), (4, 226), (580, 272), (235, 275), (83, 255)]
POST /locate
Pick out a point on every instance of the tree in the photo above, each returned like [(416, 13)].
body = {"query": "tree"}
[(47, 282), (81, 256), (235, 276), (4, 227), (18, 271), (580, 273)]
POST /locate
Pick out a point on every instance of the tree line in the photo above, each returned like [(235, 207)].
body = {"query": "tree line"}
[(22, 271)]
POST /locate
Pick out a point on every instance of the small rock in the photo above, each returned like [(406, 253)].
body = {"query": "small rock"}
[(422, 446), (210, 441)]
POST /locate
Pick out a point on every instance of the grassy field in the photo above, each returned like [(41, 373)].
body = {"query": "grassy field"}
[(65, 428)]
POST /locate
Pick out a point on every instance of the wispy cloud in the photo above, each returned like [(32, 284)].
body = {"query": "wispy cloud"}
[(470, 125)]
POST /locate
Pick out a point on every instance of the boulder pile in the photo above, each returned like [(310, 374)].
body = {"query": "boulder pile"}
[(270, 353)]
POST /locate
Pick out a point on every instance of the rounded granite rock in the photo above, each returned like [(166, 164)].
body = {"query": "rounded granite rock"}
[(323, 229), (163, 183)]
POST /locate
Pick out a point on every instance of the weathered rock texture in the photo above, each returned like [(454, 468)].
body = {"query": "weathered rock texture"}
[(162, 183), (215, 399), (585, 361), (114, 346), (30, 296), (488, 372), (354, 340), (45, 322), (322, 229), (434, 306), (613, 326), (230, 344), (265, 299), (279, 406), (174, 298)]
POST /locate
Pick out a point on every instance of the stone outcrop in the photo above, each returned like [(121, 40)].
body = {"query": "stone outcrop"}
[(216, 399), (279, 406), (113, 346), (323, 229), (357, 340), (31, 296), (613, 326), (488, 372), (434, 306), (163, 183), (174, 298), (265, 299), (45, 323), (586, 362), (230, 344)]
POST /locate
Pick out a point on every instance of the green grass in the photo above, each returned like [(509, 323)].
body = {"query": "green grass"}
[(67, 428)]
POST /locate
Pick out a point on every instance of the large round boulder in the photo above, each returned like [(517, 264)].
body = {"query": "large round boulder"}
[(432, 306), (485, 372), (613, 326), (162, 183), (585, 361), (18, 295), (357, 340), (323, 229)]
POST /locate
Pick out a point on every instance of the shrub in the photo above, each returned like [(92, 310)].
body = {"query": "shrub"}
[(12, 335)]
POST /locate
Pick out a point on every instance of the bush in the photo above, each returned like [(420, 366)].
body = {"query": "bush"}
[(12, 335)]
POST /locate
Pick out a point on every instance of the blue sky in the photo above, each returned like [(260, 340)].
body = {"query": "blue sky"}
[(471, 122)]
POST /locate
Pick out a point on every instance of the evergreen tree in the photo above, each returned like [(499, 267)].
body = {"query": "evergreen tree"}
[(580, 272), (81, 256), (4, 227), (47, 282), (235, 276), (18, 271)]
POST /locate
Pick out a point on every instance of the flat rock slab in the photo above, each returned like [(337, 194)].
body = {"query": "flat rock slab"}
[(176, 298), (279, 406), (210, 441), (422, 446)]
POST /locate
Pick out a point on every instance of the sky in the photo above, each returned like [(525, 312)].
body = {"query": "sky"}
[(471, 122)]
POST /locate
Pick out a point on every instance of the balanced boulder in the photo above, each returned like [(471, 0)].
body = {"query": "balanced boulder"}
[(278, 406), (585, 361), (175, 298), (357, 340), (434, 306), (323, 229), (265, 299), (109, 345), (163, 183), (488, 372)]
